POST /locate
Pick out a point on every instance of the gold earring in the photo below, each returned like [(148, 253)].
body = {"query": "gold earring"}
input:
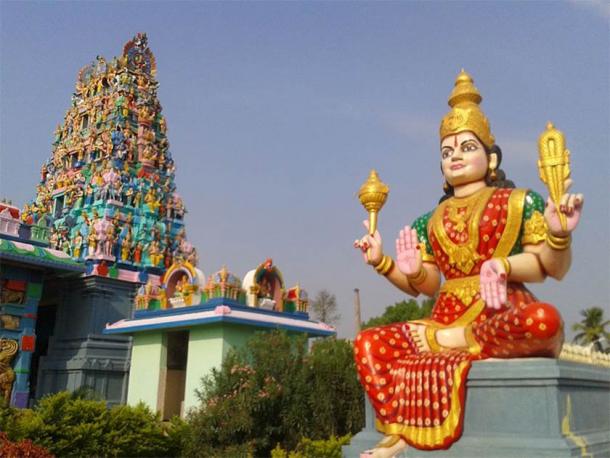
[(446, 187), (493, 176)]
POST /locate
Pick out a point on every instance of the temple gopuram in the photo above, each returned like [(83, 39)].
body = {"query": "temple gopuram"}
[(107, 203), (108, 193), (99, 287)]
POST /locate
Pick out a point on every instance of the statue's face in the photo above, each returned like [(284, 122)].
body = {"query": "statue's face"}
[(463, 159)]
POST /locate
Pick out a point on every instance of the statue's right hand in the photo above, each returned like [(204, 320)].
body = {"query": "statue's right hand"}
[(408, 254), (370, 246)]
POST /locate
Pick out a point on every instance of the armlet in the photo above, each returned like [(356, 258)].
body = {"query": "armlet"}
[(534, 229)]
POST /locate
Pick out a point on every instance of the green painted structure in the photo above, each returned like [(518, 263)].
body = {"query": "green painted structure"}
[(207, 346), (148, 355), (173, 349)]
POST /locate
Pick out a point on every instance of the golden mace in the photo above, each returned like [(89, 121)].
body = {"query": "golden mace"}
[(373, 194), (554, 166)]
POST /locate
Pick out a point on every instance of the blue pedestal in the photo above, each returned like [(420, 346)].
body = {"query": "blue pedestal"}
[(534, 407)]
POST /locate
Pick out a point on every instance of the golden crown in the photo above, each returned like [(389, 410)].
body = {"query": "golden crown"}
[(465, 114)]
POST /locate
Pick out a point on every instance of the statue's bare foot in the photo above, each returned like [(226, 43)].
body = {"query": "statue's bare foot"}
[(389, 447), (417, 332), (446, 337)]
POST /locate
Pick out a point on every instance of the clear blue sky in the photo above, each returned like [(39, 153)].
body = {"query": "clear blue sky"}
[(277, 111)]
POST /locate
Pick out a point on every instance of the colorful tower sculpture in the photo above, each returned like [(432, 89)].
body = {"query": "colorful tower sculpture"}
[(108, 199), (108, 190)]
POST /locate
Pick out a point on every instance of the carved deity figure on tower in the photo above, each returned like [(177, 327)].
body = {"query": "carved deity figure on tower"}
[(8, 350), (111, 158), (474, 252)]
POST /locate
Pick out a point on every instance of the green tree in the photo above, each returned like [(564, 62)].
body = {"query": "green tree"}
[(272, 391), (324, 307), (336, 398), (401, 312), (592, 328)]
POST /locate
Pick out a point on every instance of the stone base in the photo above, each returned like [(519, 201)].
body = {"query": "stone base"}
[(532, 407), (99, 363), (78, 354)]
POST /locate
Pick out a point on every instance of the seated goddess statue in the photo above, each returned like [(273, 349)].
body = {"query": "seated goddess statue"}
[(486, 239)]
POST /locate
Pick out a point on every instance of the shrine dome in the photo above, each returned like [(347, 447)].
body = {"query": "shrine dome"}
[(224, 284), (223, 275)]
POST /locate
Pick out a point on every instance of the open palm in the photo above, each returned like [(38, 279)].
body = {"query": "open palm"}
[(408, 255)]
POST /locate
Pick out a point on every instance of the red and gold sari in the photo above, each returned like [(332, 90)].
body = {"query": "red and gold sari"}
[(420, 396)]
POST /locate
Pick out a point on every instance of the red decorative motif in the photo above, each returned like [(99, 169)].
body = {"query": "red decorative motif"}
[(28, 343), (15, 285), (102, 269)]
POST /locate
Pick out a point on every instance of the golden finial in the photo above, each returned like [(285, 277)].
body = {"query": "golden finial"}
[(465, 114), (554, 165), (373, 194), (224, 273), (464, 91)]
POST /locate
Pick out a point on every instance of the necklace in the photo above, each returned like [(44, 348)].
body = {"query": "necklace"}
[(458, 218), (462, 212)]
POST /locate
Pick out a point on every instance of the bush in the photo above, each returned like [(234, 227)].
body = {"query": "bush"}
[(22, 449), (68, 425), (308, 448), (272, 391), (136, 431)]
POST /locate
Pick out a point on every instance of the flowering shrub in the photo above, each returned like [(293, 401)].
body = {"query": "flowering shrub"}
[(274, 391), (21, 449)]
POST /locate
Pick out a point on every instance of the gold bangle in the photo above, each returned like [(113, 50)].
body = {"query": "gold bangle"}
[(389, 267), (431, 339), (385, 265), (558, 243), (419, 277), (506, 263), (380, 263)]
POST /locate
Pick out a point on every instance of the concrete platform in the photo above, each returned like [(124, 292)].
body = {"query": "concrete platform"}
[(533, 407)]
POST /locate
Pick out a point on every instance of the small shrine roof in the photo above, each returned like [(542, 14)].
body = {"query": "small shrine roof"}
[(219, 311), (226, 276), (6, 207), (45, 257)]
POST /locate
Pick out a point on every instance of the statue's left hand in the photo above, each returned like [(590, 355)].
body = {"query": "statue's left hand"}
[(493, 283), (570, 206)]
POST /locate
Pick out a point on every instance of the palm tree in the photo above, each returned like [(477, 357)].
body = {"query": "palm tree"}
[(591, 330)]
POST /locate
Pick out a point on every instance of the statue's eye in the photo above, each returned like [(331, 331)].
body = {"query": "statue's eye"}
[(468, 147)]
